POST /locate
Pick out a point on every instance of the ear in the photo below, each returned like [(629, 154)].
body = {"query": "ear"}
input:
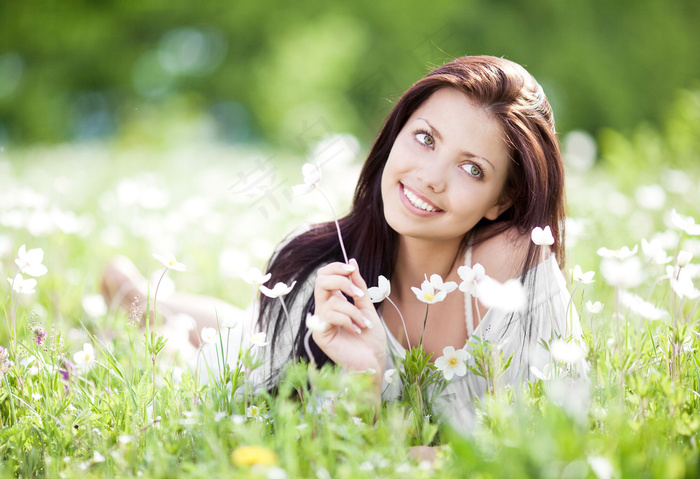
[(499, 207)]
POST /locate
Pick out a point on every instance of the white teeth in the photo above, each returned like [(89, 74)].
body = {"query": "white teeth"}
[(417, 202)]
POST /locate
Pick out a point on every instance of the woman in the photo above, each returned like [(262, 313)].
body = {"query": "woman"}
[(465, 166)]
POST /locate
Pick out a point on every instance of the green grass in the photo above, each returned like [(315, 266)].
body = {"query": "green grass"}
[(638, 415)]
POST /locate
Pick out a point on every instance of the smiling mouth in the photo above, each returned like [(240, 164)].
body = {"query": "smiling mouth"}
[(417, 202)]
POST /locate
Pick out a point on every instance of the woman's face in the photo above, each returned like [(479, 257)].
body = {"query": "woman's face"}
[(446, 170)]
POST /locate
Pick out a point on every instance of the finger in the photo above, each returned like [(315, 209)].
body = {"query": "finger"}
[(332, 283), (339, 320), (341, 305), (361, 301), (338, 268)]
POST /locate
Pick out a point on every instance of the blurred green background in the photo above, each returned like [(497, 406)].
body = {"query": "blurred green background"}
[(261, 72)]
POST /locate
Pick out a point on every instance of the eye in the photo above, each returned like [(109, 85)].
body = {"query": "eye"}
[(473, 170), (425, 138)]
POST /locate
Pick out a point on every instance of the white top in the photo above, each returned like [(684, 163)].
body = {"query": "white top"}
[(515, 333)]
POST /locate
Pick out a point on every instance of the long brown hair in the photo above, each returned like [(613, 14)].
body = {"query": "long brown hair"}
[(535, 186)]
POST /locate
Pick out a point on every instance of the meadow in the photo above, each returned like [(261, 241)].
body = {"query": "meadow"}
[(86, 393)]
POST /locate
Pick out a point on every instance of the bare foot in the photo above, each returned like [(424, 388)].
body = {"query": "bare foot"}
[(124, 285), (423, 453)]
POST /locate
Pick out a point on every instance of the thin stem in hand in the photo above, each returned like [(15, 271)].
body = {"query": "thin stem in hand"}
[(425, 321), (403, 322), (337, 226)]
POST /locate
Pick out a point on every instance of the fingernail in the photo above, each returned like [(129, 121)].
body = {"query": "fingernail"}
[(350, 268), (357, 330), (369, 324), (357, 291)]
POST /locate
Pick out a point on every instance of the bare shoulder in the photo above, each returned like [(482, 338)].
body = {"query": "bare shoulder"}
[(503, 255)]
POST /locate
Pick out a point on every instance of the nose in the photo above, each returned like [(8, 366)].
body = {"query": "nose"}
[(432, 176)]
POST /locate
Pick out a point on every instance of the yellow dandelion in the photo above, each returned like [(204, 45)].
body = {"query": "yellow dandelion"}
[(252, 455)]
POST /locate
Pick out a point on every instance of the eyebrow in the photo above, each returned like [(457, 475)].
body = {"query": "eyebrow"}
[(437, 134)]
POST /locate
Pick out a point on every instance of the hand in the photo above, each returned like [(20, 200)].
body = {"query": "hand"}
[(355, 337)]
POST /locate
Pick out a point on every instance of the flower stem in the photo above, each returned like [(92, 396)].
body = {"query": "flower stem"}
[(153, 356), (155, 296), (425, 321), (408, 341), (312, 361), (289, 322), (337, 226), (13, 306), (568, 307)]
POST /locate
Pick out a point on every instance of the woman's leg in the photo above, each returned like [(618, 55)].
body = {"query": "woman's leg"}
[(123, 284)]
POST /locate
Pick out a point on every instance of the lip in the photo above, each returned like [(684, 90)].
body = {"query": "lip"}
[(413, 209)]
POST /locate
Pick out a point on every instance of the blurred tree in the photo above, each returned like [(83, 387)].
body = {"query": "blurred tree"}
[(288, 72)]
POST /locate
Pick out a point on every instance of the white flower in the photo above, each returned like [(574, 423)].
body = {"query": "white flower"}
[(29, 262), (315, 323), (650, 197), (684, 223), (509, 296), (543, 375), (231, 322), (94, 305), (237, 419), (254, 412), (643, 308), (601, 467), (439, 285), (275, 472), (654, 251), (594, 308), (471, 278), (219, 415), (85, 357), (170, 262), (209, 335), (567, 352), (254, 276), (684, 257), (542, 237), (312, 176), (581, 277), (682, 282), (379, 293), (36, 396), (258, 339), (124, 439), (280, 289), (97, 457), (668, 239), (621, 254), (389, 376), (21, 285), (427, 293), (625, 273), (452, 362)]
